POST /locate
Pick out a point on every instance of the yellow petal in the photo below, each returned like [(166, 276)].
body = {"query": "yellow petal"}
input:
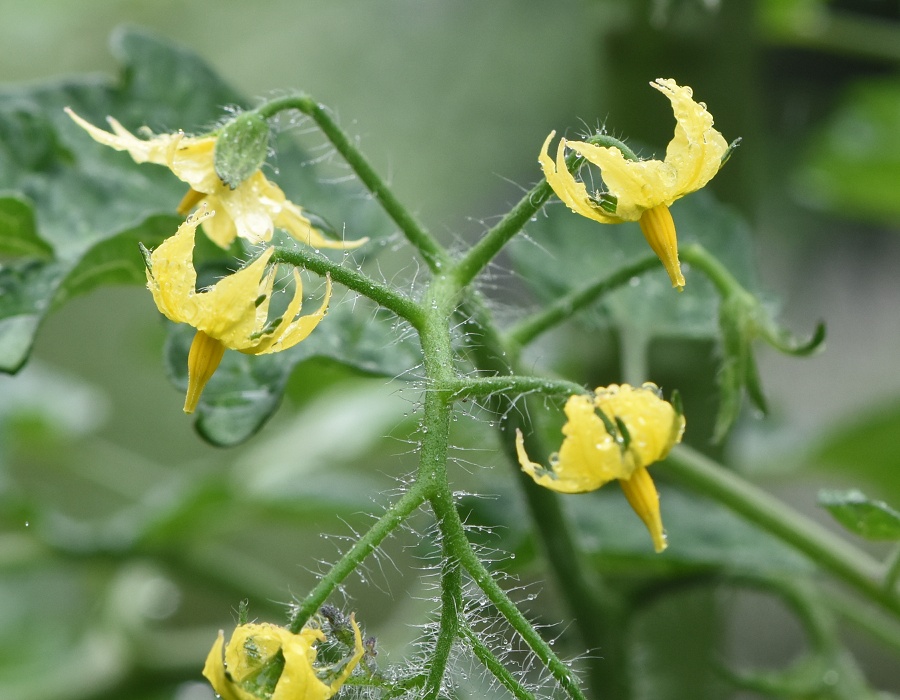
[(203, 359), (252, 206), (301, 326), (572, 193), (588, 457), (659, 230), (652, 423), (636, 184), (228, 310), (154, 150), (291, 219), (215, 673), (644, 499), (696, 150), (190, 200), (171, 277), (299, 680)]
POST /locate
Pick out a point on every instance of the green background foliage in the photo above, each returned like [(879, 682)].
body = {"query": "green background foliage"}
[(125, 540)]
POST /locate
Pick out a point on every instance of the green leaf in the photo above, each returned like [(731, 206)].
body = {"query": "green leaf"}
[(246, 390), (18, 234), (74, 210), (563, 251), (865, 444), (874, 520)]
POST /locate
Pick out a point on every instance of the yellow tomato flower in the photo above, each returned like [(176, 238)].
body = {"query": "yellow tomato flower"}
[(234, 313), (615, 434), (643, 190), (252, 210), (232, 668)]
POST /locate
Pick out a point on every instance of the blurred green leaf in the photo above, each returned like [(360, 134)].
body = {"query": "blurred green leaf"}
[(18, 235), (563, 252), (874, 520), (866, 447), (74, 210), (852, 164)]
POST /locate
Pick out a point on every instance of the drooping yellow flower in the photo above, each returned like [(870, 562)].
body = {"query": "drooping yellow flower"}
[(234, 313), (615, 434), (252, 210), (232, 669), (643, 190)]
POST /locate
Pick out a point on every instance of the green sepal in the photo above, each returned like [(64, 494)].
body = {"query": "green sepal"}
[(731, 146), (743, 319), (868, 518), (624, 436), (241, 148), (737, 336)]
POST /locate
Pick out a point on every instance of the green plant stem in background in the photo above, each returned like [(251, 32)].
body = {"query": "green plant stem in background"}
[(892, 573), (432, 252), (389, 298), (865, 616), (848, 563), (566, 306)]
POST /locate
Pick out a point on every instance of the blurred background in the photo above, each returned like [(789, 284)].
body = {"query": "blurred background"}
[(451, 102)]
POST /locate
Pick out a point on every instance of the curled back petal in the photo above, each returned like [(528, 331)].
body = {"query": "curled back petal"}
[(572, 192), (696, 150), (299, 327), (292, 220)]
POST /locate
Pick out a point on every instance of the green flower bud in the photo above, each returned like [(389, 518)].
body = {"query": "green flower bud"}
[(241, 148)]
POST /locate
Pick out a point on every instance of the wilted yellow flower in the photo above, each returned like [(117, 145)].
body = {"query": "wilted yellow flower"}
[(252, 210), (615, 434), (643, 190), (234, 313), (232, 669)]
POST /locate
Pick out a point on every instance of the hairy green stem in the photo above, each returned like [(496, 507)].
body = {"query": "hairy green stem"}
[(432, 252), (592, 607), (495, 666), (389, 298), (451, 612), (567, 306), (480, 254), (454, 532), (362, 548), (471, 387), (846, 562)]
